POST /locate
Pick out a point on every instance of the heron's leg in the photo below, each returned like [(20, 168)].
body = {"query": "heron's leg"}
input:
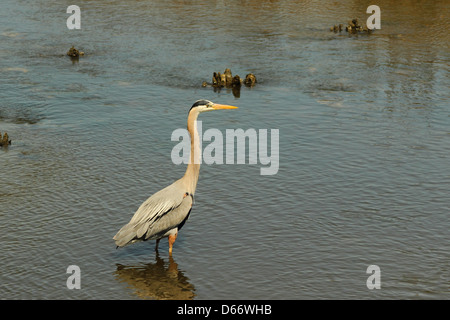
[(157, 243), (172, 239)]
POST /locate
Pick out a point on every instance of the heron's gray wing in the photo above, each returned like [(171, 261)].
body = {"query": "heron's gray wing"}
[(150, 212), (156, 228), (159, 203)]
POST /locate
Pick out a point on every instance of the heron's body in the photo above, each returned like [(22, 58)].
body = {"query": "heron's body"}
[(165, 212)]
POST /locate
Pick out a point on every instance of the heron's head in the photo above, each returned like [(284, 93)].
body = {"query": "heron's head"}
[(206, 105)]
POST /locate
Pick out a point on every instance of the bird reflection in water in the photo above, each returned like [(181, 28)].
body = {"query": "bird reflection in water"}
[(159, 280)]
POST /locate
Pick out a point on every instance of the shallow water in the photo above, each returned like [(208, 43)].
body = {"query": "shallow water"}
[(364, 149)]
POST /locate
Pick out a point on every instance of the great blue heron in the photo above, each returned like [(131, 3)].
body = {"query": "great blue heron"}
[(165, 212)]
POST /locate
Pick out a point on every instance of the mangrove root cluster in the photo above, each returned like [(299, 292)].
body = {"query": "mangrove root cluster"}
[(74, 53), (353, 27), (226, 79), (4, 142)]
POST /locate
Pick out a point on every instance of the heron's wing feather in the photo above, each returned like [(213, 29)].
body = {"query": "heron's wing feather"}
[(158, 204), (161, 211), (155, 229)]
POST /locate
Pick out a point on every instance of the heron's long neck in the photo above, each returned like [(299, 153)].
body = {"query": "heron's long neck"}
[(193, 169)]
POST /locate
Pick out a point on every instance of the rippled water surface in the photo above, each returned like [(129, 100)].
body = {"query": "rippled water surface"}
[(363, 149)]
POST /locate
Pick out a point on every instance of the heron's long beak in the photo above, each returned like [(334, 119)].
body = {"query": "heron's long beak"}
[(217, 106)]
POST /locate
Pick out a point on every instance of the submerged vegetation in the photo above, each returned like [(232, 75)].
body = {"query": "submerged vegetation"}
[(226, 80), (353, 27), (74, 53), (4, 141)]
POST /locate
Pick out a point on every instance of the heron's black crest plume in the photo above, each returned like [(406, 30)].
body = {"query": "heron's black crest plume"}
[(201, 102)]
